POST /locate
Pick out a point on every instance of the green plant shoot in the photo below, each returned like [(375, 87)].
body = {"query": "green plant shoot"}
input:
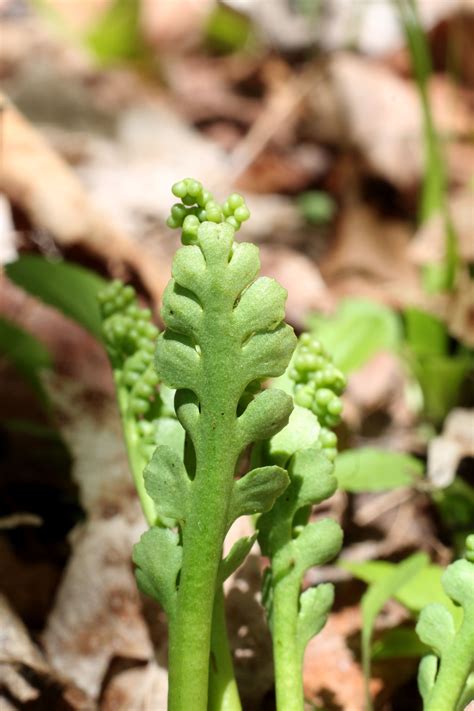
[(443, 677), (307, 447), (225, 332)]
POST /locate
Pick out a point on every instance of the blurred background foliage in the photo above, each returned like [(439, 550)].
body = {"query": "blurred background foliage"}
[(349, 128)]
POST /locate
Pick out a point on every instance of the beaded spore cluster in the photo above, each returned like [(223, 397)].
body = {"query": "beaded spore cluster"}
[(198, 205), (318, 387), (130, 339)]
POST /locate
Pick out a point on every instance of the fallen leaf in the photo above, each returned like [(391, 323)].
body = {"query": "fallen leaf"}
[(25, 676), (35, 179), (174, 25), (298, 274), (453, 444), (429, 243), (460, 309), (331, 672), (379, 113), (97, 614), (89, 422), (371, 250), (140, 689)]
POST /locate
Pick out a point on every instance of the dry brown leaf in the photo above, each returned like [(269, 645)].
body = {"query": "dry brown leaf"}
[(460, 310), (173, 25), (203, 89), (374, 251), (379, 386), (97, 615), (16, 646), (24, 673), (89, 422), (80, 15), (140, 689), (446, 451), (282, 108), (36, 180), (331, 672), (290, 170), (429, 243), (299, 275), (364, 104)]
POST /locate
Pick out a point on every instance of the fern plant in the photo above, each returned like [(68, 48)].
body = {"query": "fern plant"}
[(225, 334), (445, 678), (307, 448)]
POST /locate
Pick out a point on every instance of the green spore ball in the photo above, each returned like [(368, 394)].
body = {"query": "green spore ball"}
[(318, 386), (190, 229), (470, 548), (198, 206), (233, 222)]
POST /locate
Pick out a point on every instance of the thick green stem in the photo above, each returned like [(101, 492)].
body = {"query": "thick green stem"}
[(223, 691), (287, 655), (455, 667), (203, 537)]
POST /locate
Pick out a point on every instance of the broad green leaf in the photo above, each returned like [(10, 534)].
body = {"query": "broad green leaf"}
[(301, 432), (367, 469), (357, 331), (167, 482), (423, 588), (440, 378), (458, 582), (256, 491), (236, 556), (228, 30), (267, 353), (426, 334), (170, 432), (270, 297), (25, 352), (377, 596), (68, 287), (265, 416), (456, 505), (315, 604), (435, 627), (116, 36), (317, 207), (426, 675), (158, 557), (399, 642), (312, 479), (317, 544), (177, 362)]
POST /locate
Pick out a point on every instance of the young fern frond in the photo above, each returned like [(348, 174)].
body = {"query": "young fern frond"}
[(443, 676), (224, 331), (307, 448)]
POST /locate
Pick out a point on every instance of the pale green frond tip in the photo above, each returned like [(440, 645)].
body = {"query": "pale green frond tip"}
[(198, 206)]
